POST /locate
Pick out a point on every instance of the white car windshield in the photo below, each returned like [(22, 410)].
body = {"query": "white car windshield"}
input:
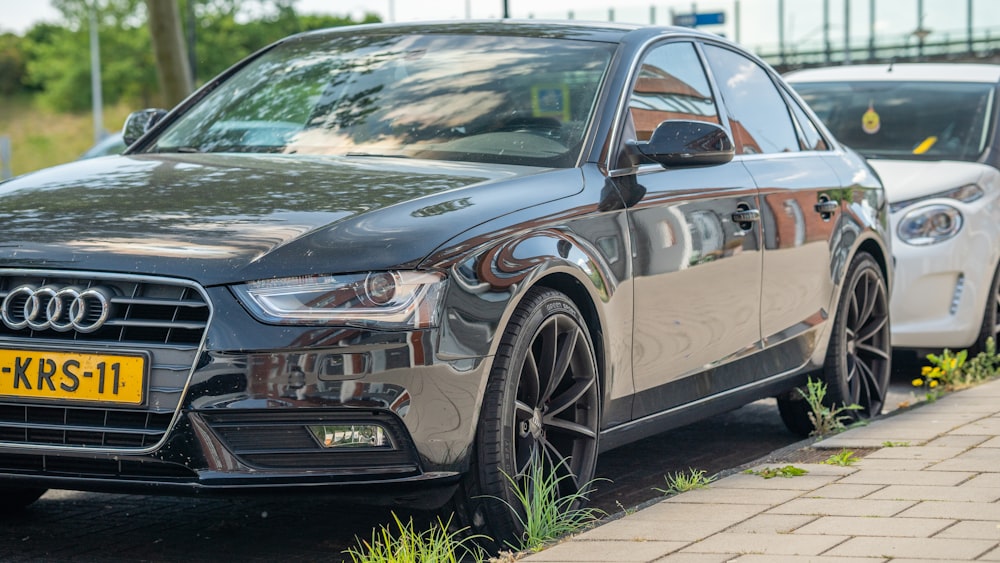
[(895, 119)]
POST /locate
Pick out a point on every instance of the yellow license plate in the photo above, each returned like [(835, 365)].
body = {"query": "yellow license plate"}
[(43, 374)]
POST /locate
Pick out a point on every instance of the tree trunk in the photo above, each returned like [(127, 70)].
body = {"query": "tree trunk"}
[(169, 49)]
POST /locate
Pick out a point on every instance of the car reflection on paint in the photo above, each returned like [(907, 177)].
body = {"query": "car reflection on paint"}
[(397, 262)]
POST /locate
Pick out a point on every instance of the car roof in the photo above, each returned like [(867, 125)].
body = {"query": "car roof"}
[(930, 72), (567, 29)]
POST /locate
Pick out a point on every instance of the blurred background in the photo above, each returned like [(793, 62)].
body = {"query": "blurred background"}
[(72, 70)]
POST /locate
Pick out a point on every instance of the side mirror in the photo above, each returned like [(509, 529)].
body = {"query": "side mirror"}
[(686, 143), (138, 122)]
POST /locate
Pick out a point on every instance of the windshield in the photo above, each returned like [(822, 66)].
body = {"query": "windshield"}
[(512, 100), (917, 120)]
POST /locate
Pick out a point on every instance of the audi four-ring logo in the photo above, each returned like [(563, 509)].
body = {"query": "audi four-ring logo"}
[(61, 309)]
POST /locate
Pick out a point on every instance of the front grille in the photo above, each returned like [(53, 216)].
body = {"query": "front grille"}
[(162, 317), (51, 465)]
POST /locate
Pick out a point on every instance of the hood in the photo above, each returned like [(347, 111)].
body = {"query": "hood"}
[(227, 218), (911, 179)]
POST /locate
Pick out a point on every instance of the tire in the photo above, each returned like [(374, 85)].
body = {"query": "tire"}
[(15, 499), (991, 317), (859, 356), (542, 400)]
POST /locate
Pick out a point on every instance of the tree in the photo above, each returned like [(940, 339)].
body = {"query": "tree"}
[(168, 47)]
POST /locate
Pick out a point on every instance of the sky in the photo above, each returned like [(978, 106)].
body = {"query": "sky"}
[(758, 18)]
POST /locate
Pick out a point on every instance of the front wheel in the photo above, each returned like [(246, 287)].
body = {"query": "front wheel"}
[(542, 406), (858, 360), (991, 316)]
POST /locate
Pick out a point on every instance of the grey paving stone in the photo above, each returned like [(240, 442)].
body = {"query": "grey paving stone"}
[(925, 492), (865, 526), (983, 460), (893, 464), (958, 441), (922, 453), (605, 551), (632, 529), (956, 510), (765, 544), (839, 507), (844, 491), (929, 478), (734, 496), (806, 482), (972, 529), (930, 548), (983, 427), (805, 559), (697, 558), (772, 524), (992, 555), (989, 480), (673, 511)]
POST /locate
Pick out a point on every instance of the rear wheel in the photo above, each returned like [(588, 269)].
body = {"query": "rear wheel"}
[(858, 360), (13, 499), (542, 405)]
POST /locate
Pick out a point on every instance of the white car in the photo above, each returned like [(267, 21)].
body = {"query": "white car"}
[(930, 131)]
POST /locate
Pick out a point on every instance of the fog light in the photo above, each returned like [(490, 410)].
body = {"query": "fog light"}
[(351, 436)]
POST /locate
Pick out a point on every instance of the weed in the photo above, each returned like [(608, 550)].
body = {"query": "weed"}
[(949, 371), (543, 513), (406, 545), (825, 420), (843, 457), (890, 444), (787, 471), (680, 482)]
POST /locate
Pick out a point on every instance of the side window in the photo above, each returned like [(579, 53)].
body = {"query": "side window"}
[(811, 139), (671, 84), (757, 111)]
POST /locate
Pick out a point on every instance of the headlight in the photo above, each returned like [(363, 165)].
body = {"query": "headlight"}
[(965, 194), (930, 225), (387, 300)]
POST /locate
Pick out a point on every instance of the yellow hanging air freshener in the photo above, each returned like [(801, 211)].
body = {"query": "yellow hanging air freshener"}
[(870, 121)]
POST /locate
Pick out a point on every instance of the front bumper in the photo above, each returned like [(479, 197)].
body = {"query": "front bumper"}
[(235, 409), (940, 290)]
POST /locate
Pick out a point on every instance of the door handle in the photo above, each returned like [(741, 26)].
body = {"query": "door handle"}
[(745, 217), (827, 206)]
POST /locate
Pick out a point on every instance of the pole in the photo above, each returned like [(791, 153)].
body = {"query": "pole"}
[(191, 39), (847, 31), (871, 30), (920, 29), (506, 9), (781, 30), (736, 19), (96, 97), (5, 171), (827, 48), (652, 15), (968, 25)]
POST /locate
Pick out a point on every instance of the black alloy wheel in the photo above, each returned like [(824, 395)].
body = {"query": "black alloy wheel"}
[(542, 405), (858, 359), (991, 317)]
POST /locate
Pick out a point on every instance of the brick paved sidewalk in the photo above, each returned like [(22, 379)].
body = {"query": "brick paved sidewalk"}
[(933, 499)]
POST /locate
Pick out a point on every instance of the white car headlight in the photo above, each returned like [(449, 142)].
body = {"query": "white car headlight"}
[(385, 300), (929, 225)]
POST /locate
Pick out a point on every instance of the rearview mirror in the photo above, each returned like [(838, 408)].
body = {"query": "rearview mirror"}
[(677, 142)]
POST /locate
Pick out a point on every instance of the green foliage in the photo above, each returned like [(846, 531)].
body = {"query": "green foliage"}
[(825, 419), (843, 458), (407, 545), (681, 482), (54, 60), (787, 472), (949, 371), (544, 514), (890, 444)]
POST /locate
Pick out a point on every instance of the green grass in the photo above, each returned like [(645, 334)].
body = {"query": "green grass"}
[(843, 458), (40, 138), (787, 471), (681, 482), (405, 544)]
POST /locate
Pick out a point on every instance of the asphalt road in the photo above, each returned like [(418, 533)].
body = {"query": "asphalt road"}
[(73, 526)]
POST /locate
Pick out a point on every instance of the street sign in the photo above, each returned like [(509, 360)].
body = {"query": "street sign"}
[(695, 20)]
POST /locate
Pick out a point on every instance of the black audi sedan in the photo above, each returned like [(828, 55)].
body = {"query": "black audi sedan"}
[(404, 262)]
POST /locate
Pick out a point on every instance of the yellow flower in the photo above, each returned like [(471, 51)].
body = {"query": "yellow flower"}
[(925, 370), (918, 382), (933, 384)]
